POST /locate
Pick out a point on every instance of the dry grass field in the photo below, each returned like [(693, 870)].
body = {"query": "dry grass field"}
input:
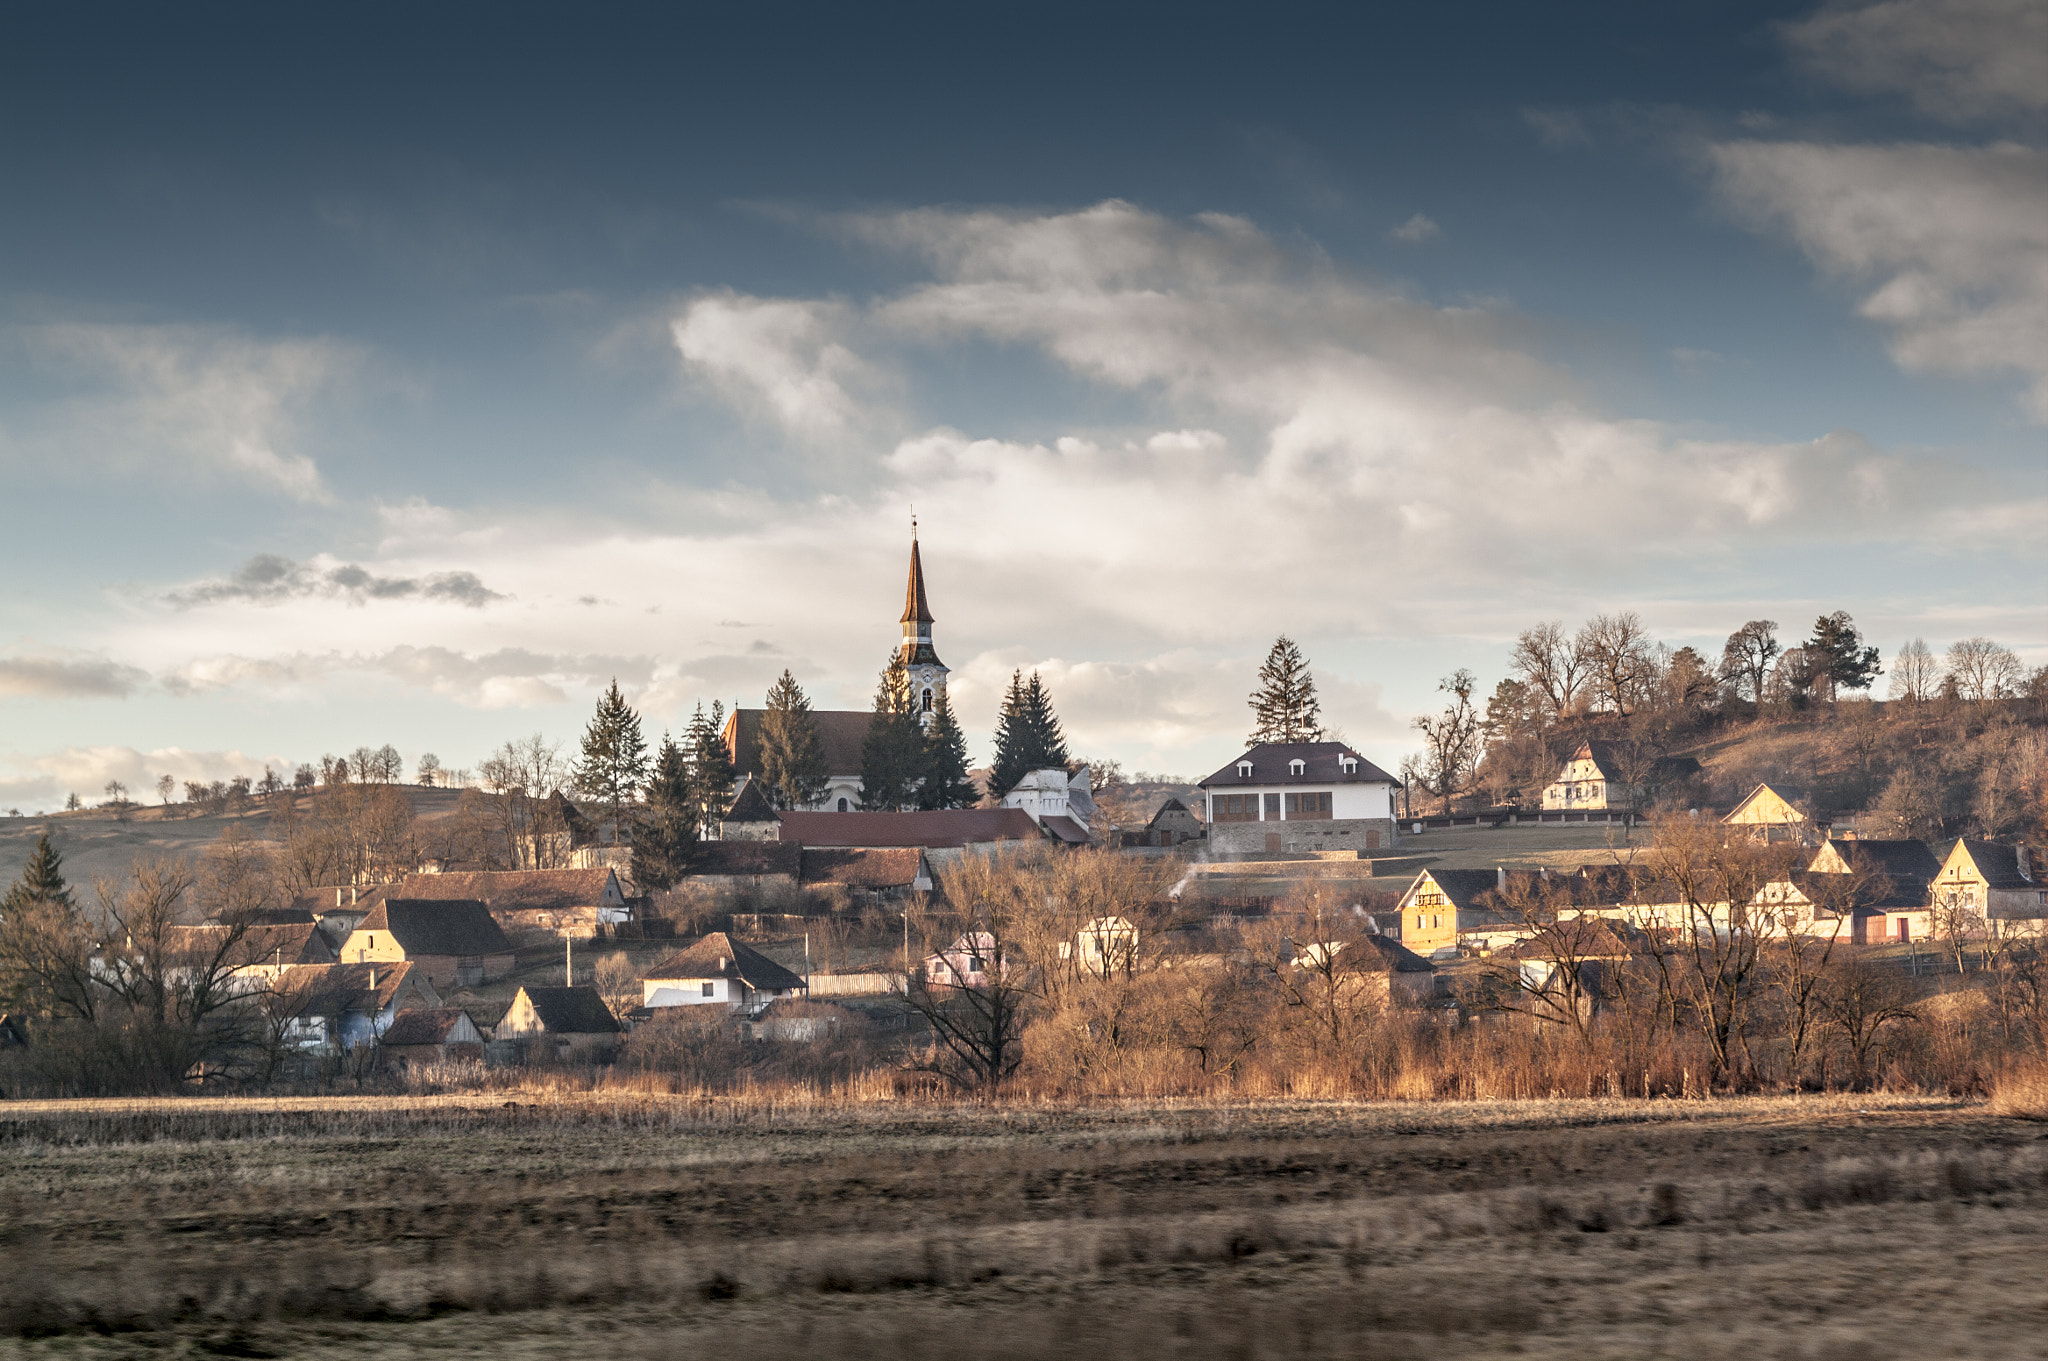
[(1841, 1227)]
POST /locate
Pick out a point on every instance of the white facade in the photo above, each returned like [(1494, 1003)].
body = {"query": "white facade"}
[(1370, 800), (1053, 793)]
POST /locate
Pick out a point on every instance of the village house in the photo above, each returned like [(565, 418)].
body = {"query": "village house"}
[(1373, 969), (1774, 813), (1999, 884), (750, 816), (1565, 967), (1058, 802), (1174, 824), (1299, 796), (746, 864), (1441, 903), (258, 953), (340, 909), (967, 962), (573, 903), (432, 1035), (332, 1008), (1589, 780), (1103, 946), (561, 1022), (869, 873), (717, 970), (455, 942)]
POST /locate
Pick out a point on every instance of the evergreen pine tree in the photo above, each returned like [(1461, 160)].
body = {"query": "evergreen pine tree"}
[(892, 753), (711, 769), (793, 770), (1285, 707), (1844, 661), (614, 763), (945, 762), (1028, 734), (667, 840), (42, 880)]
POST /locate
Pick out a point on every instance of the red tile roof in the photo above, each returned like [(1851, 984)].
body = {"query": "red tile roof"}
[(950, 828)]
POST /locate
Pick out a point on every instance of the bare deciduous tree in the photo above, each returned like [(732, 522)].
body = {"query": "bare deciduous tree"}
[(1620, 661), (1450, 738), (1983, 669), (1549, 660)]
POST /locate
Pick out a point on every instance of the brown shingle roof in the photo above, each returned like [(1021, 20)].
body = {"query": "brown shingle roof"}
[(1383, 954), (915, 610), (435, 926), (330, 989), (299, 943), (702, 960), (425, 1025), (571, 1011), (952, 827), (1270, 765), (1895, 859), (865, 867), (511, 890), (2000, 865), (840, 735), (750, 804)]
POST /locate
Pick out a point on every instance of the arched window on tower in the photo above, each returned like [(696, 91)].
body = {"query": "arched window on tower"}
[(842, 805), (927, 701)]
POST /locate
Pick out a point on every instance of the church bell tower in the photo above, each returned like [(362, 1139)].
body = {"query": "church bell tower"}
[(927, 672)]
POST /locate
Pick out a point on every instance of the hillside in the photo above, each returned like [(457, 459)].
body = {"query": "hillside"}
[(94, 842)]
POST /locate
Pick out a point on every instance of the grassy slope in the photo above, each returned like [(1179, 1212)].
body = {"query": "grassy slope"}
[(1868, 1227)]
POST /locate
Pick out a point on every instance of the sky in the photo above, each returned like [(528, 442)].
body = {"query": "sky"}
[(398, 373)]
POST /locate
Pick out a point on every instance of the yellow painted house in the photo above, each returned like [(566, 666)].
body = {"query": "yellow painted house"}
[(1441, 903), (1996, 883), (1773, 814)]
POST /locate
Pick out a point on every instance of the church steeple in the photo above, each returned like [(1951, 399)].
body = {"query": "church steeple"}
[(927, 672)]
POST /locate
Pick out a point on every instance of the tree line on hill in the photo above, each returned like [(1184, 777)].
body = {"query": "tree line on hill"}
[(1960, 746)]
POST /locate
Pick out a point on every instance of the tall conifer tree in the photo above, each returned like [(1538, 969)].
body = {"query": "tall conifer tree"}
[(42, 879), (892, 753), (793, 773), (1028, 734), (711, 769), (1285, 707), (614, 763), (945, 761), (667, 840)]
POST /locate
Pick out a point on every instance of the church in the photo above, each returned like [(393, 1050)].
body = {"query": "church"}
[(842, 731)]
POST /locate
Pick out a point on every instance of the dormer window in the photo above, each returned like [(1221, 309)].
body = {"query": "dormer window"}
[(1348, 763), (1244, 770), (1296, 766)]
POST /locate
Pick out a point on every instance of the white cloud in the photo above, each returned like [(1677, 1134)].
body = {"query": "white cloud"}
[(1955, 59), (1416, 230), (67, 675), (775, 356), (198, 401), (1955, 240)]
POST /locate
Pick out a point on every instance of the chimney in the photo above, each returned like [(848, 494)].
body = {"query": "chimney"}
[(373, 978), (351, 895), (337, 897), (1500, 876), (2025, 861)]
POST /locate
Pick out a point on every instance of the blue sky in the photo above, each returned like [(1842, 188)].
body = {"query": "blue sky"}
[(404, 373)]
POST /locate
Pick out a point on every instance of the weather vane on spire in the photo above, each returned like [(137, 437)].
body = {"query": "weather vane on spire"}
[(913, 521)]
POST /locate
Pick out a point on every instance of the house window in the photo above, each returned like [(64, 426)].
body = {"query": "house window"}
[(1244, 770), (842, 805), (707, 989), (1273, 807), (1235, 807), (1429, 900), (1296, 766), (1315, 805)]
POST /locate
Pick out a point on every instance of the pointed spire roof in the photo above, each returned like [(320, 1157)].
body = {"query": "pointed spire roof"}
[(915, 610)]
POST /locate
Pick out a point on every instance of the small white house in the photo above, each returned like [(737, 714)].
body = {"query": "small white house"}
[(718, 971), (1103, 946), (1053, 798)]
